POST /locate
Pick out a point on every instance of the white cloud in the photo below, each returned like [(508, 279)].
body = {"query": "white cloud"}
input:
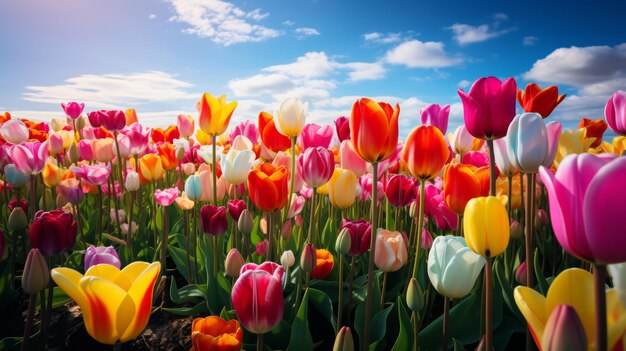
[(110, 91), (500, 17), (467, 34), (418, 54), (311, 64), (289, 23), (222, 22), (529, 40), (260, 84), (464, 83), (379, 38), (365, 71), (306, 32), (152, 16)]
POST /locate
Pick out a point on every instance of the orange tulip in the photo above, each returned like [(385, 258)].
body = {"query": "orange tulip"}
[(425, 152), (131, 116), (270, 136), (51, 174), (482, 173), (167, 152), (165, 136), (595, 129), (103, 149), (151, 167), (268, 186), (215, 113), (543, 102), (374, 129), (215, 334), (460, 185), (5, 117), (324, 264)]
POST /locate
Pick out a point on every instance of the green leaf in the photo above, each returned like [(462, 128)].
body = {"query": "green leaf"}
[(301, 339), (458, 346), (541, 280), (506, 329), (405, 336), (359, 317), (507, 290), (323, 305), (10, 343), (186, 293), (59, 298), (378, 327), (188, 311), (179, 256)]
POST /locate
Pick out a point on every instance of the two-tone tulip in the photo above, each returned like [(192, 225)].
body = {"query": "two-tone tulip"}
[(215, 113), (374, 129), (316, 166), (268, 186)]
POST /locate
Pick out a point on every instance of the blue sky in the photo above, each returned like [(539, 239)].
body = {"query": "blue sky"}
[(159, 56)]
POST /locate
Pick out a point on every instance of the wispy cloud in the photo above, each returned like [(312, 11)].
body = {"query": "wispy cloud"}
[(306, 32), (418, 54), (114, 90), (468, 34), (382, 38), (289, 23), (221, 21), (529, 41), (152, 16)]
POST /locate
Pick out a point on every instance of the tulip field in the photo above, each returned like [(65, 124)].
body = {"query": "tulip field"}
[(506, 233)]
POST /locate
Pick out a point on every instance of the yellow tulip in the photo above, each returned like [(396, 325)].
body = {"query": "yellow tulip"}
[(573, 142), (342, 188), (151, 167), (215, 113), (486, 225), (574, 287), (184, 203), (116, 304), (51, 174)]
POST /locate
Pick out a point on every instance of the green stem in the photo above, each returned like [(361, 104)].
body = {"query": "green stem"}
[(163, 239), (492, 168), (268, 255), (370, 266), (29, 321), (599, 278), (292, 177), (350, 278), (444, 333), (310, 239), (340, 300), (382, 291), (420, 225)]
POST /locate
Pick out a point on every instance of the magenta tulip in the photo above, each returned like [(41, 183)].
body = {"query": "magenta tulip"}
[(94, 119), (316, 166), (360, 234), (436, 115), (314, 135), (113, 120), (572, 206), (400, 190), (257, 297), (73, 109), (30, 157), (166, 197), (489, 107), (342, 126), (95, 174), (213, 219), (53, 232), (85, 150), (248, 129), (101, 255), (138, 138), (235, 207), (615, 112)]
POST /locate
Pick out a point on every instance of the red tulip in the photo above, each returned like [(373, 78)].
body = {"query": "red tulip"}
[(360, 234), (425, 152), (270, 136), (342, 124), (213, 219), (460, 184), (595, 129), (268, 186), (400, 190), (374, 129), (53, 232), (541, 101)]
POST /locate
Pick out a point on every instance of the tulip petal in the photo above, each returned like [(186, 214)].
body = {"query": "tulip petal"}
[(141, 296), (533, 306), (105, 299), (461, 273), (110, 273)]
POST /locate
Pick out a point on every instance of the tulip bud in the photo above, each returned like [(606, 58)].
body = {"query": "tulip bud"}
[(520, 273), (542, 219), (343, 341), (49, 203), (516, 230), (17, 220), (80, 123), (132, 181), (36, 275), (413, 209), (287, 229), (180, 153), (415, 296), (564, 331), (261, 248), (287, 259), (308, 259), (73, 154), (343, 242), (245, 222), (234, 262)]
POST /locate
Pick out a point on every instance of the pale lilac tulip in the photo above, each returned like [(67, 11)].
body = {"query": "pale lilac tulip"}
[(101, 255), (14, 131), (436, 115)]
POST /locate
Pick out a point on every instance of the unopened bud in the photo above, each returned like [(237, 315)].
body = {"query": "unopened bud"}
[(516, 230), (233, 263), (17, 220), (287, 259), (73, 154), (542, 219), (415, 296), (344, 341), (80, 123), (36, 275), (520, 273), (343, 242), (245, 222), (413, 209), (287, 229), (308, 259), (564, 331)]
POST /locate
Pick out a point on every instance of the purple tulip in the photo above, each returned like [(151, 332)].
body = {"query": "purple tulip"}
[(101, 255), (436, 115)]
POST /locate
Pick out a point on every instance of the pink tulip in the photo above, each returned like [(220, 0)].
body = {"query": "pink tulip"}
[(476, 158), (391, 253), (30, 157), (14, 131), (342, 126), (117, 189), (297, 204), (261, 248), (392, 162), (248, 129), (283, 159), (73, 109), (112, 120), (350, 160), (316, 165), (400, 190), (206, 178), (93, 174), (615, 112), (94, 119), (185, 125), (138, 138), (314, 135), (71, 190), (85, 150), (435, 115), (101, 255), (365, 184), (166, 197), (427, 240), (306, 192), (257, 297), (235, 207), (554, 129), (489, 107), (584, 217)]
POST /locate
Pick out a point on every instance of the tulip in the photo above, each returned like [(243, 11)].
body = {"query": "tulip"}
[(460, 185), (236, 165), (486, 225), (29, 157), (94, 119), (572, 287), (166, 197), (184, 203), (94, 175), (213, 219), (138, 138), (541, 101), (51, 174), (344, 341), (215, 113), (308, 258), (414, 296), (400, 190), (215, 334), (615, 112), (595, 129), (284, 159), (343, 244), (36, 275), (391, 253), (564, 331), (130, 116), (14, 176), (527, 142), (360, 233), (17, 220), (261, 248), (257, 297), (489, 107), (617, 272), (453, 267), (55, 144), (342, 125), (287, 259), (521, 274), (290, 117), (73, 109), (167, 153), (572, 142), (245, 222), (235, 208), (103, 150), (125, 227), (374, 129), (342, 188), (116, 304), (85, 150), (185, 124), (323, 265), (316, 165), (461, 140), (113, 120), (268, 186), (425, 152), (101, 255), (132, 181), (436, 115), (270, 136), (193, 187), (349, 159), (151, 167), (314, 135), (234, 262), (52, 232), (14, 131), (168, 135)]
